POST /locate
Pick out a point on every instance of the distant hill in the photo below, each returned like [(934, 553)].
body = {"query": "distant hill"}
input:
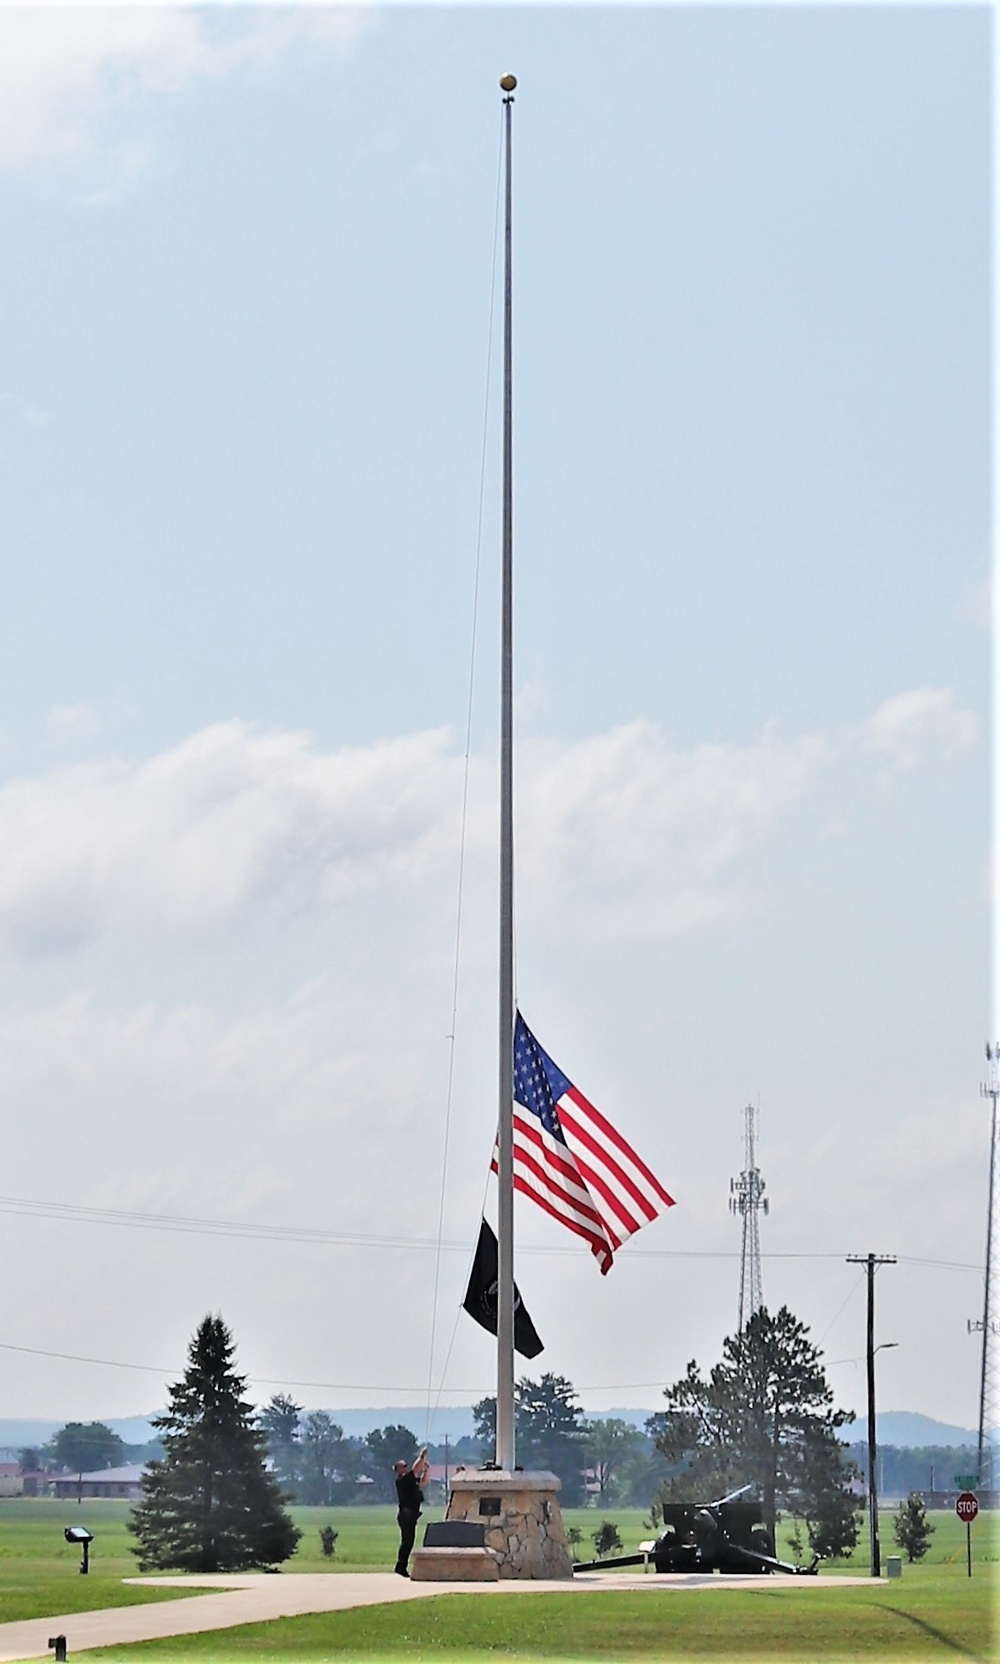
[(455, 1420), (22, 1434), (908, 1430), (903, 1428)]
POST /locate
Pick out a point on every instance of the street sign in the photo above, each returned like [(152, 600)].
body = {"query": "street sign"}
[(967, 1507), (965, 1481)]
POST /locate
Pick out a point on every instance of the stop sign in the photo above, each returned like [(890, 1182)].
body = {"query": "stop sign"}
[(967, 1507)]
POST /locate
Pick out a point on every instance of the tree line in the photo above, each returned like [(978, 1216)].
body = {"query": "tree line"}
[(617, 1459), (85, 1447), (761, 1418), (932, 1467), (620, 1461), (315, 1463)]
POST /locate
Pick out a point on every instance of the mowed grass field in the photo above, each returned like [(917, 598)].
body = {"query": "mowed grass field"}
[(933, 1611)]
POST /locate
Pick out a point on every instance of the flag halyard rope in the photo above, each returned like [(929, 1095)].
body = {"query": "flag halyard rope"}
[(449, 1091)]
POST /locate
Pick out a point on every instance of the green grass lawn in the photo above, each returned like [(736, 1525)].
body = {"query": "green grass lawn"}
[(934, 1610), (935, 1613), (39, 1570)]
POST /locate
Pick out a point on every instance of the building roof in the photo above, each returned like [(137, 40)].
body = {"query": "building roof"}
[(130, 1474)]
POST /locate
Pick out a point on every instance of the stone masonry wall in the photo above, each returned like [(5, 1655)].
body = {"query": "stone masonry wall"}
[(526, 1536)]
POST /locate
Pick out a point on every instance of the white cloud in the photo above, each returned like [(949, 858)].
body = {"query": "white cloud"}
[(64, 70), (22, 411), (69, 724), (183, 1109), (614, 801), (315, 1056), (910, 725), (646, 839), (231, 816)]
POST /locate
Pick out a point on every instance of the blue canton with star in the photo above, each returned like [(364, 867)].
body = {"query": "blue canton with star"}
[(538, 1084)]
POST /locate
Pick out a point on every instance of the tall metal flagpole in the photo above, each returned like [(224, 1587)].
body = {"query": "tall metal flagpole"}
[(505, 1164)]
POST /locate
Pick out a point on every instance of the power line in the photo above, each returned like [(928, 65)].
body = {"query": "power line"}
[(78, 1213), (326, 1386), (254, 1380)]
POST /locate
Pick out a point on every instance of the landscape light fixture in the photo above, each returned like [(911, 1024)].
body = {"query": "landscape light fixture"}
[(80, 1534)]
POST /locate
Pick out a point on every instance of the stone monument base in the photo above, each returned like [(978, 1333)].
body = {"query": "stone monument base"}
[(520, 1516), (453, 1565)]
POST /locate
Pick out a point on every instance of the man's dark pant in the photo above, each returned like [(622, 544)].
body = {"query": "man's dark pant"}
[(407, 1531)]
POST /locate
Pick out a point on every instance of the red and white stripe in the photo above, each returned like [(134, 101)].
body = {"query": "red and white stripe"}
[(595, 1184)]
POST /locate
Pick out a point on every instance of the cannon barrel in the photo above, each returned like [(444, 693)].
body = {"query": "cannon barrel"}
[(605, 1565), (769, 1560), (749, 1554)]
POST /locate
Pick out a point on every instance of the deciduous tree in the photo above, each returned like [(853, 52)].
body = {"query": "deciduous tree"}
[(386, 1445), (609, 1444), (85, 1447), (329, 1462)]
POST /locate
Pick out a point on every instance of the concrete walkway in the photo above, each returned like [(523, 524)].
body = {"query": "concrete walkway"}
[(254, 1598)]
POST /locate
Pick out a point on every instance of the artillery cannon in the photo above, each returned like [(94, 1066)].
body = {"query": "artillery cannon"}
[(725, 1536)]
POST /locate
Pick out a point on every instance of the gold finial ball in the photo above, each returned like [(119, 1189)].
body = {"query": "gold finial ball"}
[(508, 82)]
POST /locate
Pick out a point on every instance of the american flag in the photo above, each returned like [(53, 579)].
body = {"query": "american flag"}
[(571, 1161)]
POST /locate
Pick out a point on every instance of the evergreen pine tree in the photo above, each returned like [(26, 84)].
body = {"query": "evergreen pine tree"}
[(911, 1527), (550, 1430), (280, 1423), (210, 1505), (763, 1416)]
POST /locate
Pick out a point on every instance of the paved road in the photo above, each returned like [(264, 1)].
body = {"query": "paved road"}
[(254, 1598)]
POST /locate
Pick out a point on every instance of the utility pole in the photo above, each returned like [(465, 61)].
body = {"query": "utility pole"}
[(871, 1262), (988, 1325), (747, 1199)]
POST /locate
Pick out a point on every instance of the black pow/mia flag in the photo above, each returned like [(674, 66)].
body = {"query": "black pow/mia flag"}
[(481, 1297)]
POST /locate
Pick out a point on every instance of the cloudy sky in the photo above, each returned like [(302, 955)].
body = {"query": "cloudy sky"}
[(245, 283)]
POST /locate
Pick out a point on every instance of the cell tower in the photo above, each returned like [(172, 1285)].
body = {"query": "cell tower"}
[(988, 1324), (748, 1200)]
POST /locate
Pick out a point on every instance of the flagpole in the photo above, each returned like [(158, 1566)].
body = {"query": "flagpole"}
[(505, 1164)]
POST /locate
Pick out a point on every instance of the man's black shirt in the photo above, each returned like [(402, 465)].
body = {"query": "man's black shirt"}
[(408, 1492)]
